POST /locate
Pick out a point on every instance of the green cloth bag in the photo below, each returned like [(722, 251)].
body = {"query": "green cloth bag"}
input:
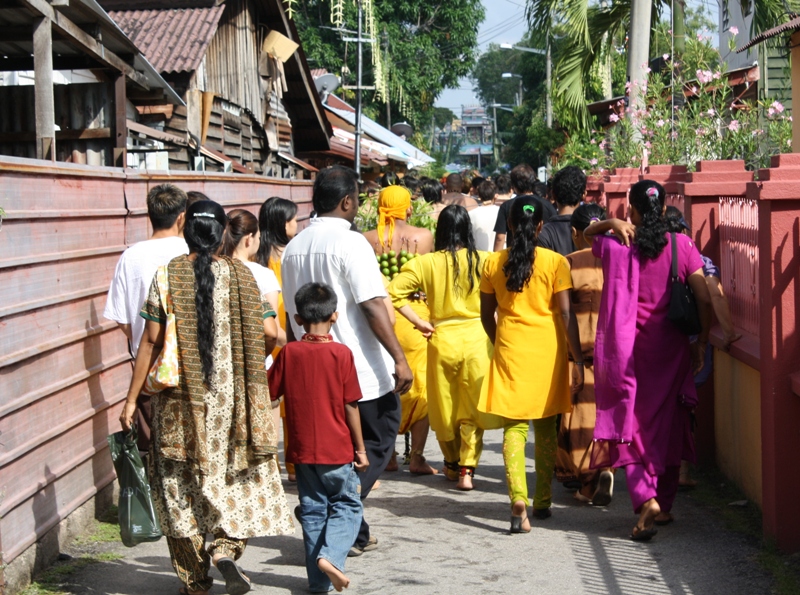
[(138, 521)]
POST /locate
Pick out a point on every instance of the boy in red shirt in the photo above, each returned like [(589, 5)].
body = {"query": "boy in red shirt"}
[(319, 381)]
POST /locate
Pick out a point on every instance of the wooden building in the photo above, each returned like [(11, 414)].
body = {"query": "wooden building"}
[(58, 42), (251, 104)]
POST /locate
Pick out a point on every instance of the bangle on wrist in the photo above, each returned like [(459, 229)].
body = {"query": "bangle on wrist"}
[(578, 363), (361, 452)]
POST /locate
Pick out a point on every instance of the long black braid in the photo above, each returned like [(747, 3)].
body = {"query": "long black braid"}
[(525, 216), (204, 230)]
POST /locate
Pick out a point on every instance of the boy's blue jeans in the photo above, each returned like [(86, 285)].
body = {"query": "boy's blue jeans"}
[(331, 512)]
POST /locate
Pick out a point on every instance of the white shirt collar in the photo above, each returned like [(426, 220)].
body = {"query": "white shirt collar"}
[(343, 223)]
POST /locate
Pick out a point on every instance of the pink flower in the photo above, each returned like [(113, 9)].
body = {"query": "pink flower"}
[(717, 75), (734, 30), (704, 76), (694, 90), (593, 161), (614, 118), (594, 142), (603, 144), (665, 57), (734, 126), (711, 112), (778, 106), (648, 144), (660, 123), (674, 135), (771, 111)]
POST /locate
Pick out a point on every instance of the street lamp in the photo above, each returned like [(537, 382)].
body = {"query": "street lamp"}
[(548, 71), (508, 75)]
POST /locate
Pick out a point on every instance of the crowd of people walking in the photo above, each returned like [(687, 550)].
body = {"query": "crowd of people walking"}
[(526, 306)]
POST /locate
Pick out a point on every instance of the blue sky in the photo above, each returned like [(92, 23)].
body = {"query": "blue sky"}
[(504, 23)]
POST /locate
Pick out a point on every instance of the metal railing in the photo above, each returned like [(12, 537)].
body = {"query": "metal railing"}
[(738, 234)]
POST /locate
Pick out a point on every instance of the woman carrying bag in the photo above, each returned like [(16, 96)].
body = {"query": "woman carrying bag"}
[(212, 459), (644, 388)]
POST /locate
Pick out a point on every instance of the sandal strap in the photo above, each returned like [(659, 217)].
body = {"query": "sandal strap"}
[(453, 466)]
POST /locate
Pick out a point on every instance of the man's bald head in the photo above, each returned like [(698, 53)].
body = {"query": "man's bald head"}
[(453, 183)]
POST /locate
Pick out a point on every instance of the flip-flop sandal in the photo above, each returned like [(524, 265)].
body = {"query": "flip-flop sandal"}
[(236, 583), (643, 534)]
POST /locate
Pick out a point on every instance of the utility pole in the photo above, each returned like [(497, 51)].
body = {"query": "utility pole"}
[(388, 91), (495, 151), (359, 72), (679, 27), (549, 84), (639, 51)]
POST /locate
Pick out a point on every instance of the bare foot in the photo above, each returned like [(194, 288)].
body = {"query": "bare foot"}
[(393, 466), (465, 483), (518, 509), (647, 517), (419, 466), (376, 485), (338, 578)]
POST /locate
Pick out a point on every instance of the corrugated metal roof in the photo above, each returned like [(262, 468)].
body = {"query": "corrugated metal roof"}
[(774, 32), (172, 40)]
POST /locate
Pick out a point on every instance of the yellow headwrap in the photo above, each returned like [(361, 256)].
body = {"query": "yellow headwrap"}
[(393, 203)]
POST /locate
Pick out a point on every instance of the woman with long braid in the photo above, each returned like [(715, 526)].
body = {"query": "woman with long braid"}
[(644, 387), (528, 287), (458, 352), (212, 458)]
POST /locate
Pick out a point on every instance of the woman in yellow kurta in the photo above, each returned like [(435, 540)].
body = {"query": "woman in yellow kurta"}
[(528, 378), (458, 350), (394, 234), (277, 222)]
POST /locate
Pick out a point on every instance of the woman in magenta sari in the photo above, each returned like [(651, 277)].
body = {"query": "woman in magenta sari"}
[(643, 363)]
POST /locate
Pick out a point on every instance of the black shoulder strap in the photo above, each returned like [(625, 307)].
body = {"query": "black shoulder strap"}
[(674, 257)]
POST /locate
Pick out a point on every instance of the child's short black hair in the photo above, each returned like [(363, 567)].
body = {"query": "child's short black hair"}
[(569, 186), (315, 302)]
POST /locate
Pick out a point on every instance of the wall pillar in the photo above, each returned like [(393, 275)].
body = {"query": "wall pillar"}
[(616, 188), (778, 193)]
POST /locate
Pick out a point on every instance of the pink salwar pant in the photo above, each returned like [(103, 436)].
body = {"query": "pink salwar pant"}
[(643, 486)]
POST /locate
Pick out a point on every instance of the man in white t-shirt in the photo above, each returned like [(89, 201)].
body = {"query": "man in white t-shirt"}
[(485, 216), (328, 252), (166, 207)]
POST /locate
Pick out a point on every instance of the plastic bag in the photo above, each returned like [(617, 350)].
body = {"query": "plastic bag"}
[(138, 521)]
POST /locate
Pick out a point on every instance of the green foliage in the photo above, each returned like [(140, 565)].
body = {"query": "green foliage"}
[(421, 215), (531, 141), (53, 581), (710, 124), (430, 46)]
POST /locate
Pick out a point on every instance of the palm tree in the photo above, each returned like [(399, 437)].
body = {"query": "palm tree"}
[(589, 32)]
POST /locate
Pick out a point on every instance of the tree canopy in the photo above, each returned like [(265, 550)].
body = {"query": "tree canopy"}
[(425, 47)]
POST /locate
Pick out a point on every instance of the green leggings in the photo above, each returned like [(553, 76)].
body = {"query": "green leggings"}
[(515, 435)]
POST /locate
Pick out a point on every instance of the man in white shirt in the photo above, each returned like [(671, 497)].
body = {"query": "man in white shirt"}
[(484, 217), (166, 207), (328, 252)]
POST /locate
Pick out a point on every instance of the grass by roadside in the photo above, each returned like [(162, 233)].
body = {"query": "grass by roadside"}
[(717, 492), (93, 547)]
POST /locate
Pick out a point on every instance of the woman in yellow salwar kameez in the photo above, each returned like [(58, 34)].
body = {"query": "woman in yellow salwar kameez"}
[(528, 288), (394, 233), (458, 350)]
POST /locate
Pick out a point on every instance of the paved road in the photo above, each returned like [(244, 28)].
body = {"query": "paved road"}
[(435, 539)]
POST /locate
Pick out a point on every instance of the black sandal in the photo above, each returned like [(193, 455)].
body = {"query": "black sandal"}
[(236, 583)]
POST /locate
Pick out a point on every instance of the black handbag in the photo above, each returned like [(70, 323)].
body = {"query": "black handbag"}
[(682, 304)]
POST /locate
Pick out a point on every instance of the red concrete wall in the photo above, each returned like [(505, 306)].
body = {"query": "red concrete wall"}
[(778, 193), (64, 369)]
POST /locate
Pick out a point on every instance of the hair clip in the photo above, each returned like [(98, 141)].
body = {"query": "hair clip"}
[(528, 209), (652, 192), (594, 220), (211, 215)]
